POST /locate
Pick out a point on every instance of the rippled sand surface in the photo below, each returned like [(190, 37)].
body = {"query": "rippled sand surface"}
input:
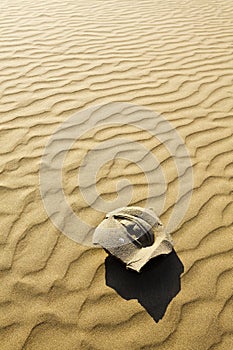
[(60, 57)]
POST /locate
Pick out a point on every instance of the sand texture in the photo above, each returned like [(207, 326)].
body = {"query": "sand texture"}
[(58, 58)]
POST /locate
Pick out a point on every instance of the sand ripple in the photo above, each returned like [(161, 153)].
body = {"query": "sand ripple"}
[(58, 57)]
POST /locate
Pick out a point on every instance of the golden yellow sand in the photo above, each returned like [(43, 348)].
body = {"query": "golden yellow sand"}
[(59, 57)]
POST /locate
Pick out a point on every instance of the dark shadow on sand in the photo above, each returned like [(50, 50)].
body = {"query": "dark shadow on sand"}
[(154, 288)]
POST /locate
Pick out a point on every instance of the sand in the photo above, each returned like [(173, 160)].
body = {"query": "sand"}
[(58, 58)]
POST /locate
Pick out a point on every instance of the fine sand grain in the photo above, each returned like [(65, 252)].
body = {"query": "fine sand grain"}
[(60, 57)]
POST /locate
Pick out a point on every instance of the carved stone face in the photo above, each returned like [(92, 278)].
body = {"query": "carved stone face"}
[(134, 235)]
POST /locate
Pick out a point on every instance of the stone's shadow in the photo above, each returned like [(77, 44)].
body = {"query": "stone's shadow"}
[(154, 287)]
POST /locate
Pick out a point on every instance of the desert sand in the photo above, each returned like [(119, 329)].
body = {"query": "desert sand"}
[(58, 58)]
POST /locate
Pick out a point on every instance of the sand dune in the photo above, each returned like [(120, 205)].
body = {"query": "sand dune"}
[(58, 58)]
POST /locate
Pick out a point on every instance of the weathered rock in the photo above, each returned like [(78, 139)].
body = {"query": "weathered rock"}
[(134, 235)]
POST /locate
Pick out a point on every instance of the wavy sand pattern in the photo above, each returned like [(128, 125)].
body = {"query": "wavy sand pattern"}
[(59, 57)]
